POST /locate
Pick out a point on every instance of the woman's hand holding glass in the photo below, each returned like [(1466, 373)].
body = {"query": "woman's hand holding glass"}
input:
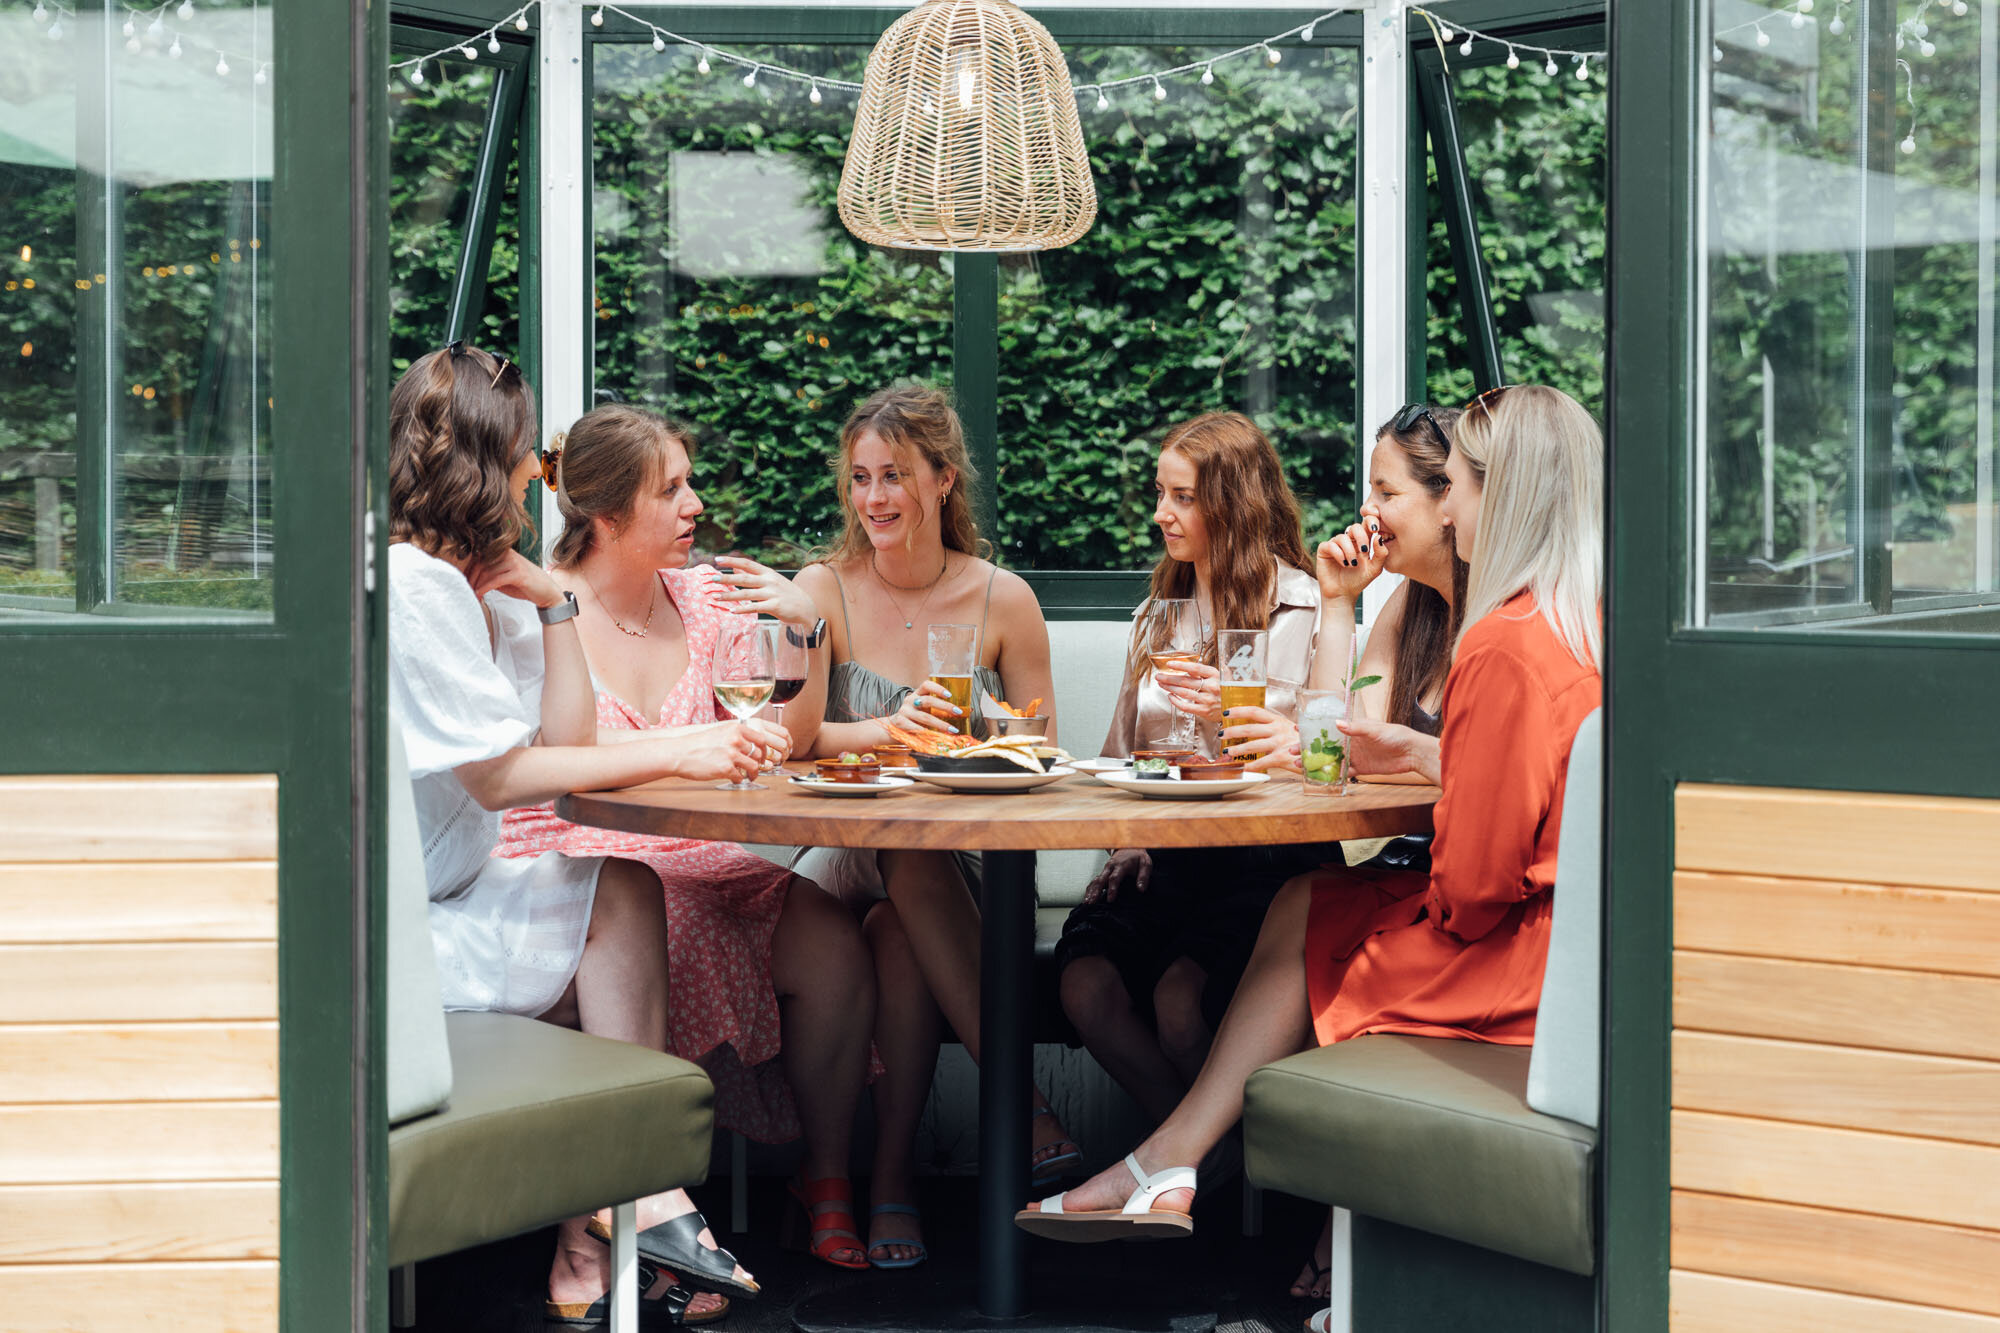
[(1266, 740), (726, 750), (1349, 561), (752, 589), (1195, 688), (1386, 747), (916, 713)]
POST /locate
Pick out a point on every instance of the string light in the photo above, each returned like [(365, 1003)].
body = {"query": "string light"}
[(702, 64), (221, 65), (1909, 143), (493, 44), (1207, 74), (186, 12), (659, 42), (1159, 91), (1103, 102), (417, 74), (521, 21), (175, 49), (750, 79), (814, 96), (1465, 39), (1466, 49), (1307, 35), (469, 52), (1550, 68), (262, 76), (1272, 54), (597, 19), (1513, 58)]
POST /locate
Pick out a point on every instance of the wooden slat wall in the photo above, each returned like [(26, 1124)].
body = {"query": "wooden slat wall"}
[(138, 1053), (1836, 1062)]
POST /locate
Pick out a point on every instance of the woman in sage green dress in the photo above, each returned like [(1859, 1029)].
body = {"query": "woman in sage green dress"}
[(907, 559)]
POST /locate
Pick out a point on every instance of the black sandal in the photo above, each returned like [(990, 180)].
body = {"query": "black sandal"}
[(667, 1310), (676, 1244)]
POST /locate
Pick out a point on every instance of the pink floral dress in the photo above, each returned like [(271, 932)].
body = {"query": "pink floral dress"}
[(722, 904)]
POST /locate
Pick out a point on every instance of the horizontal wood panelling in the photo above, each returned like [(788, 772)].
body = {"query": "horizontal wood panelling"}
[(141, 1298), (1925, 930), (138, 1062), (128, 1222), (66, 819), (1858, 1006), (79, 983), (1930, 1180), (1705, 1303), (142, 900), (1852, 1252), (1890, 1091), (1942, 842), (53, 1145)]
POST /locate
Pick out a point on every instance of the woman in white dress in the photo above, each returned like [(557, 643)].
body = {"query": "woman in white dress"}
[(488, 684)]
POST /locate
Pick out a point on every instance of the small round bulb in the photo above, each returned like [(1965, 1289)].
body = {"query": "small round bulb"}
[(221, 65), (1447, 35), (417, 74), (1103, 102), (701, 65), (175, 49), (1805, 6), (1763, 38), (186, 11), (1909, 144), (492, 44), (814, 96), (41, 12), (1798, 20), (1465, 48), (1836, 25), (750, 79), (1513, 59), (521, 21), (129, 28), (1549, 68), (1208, 74), (1582, 71), (55, 31), (1307, 35), (597, 18), (1715, 53), (469, 52), (1159, 91), (1927, 48), (659, 42), (1273, 54), (261, 77)]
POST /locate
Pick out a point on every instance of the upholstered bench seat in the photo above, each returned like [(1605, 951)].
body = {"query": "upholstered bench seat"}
[(1429, 1133), (543, 1123)]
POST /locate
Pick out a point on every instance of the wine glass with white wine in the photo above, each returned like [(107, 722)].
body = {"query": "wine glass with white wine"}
[(743, 673), (1173, 638)]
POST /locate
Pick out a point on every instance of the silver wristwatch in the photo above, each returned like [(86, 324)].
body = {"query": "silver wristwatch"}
[(566, 609)]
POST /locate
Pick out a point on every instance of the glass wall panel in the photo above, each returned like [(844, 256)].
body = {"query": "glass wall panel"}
[(135, 458), (727, 292), (1219, 276), (1846, 474), (1534, 160)]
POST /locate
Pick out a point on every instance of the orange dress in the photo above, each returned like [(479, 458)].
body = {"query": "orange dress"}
[(1459, 952)]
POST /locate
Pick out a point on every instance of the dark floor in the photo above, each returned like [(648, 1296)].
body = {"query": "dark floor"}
[(1238, 1281)]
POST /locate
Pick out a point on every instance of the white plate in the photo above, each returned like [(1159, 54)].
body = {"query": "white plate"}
[(1101, 765), (1173, 789), (821, 787), (1021, 781)]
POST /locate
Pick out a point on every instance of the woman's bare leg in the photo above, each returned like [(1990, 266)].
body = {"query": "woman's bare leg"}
[(1268, 1020), (908, 1028), (620, 992), (1185, 1036), (1101, 1010), (826, 998)]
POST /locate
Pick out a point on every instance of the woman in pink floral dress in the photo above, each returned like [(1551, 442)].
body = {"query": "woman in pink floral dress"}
[(770, 986)]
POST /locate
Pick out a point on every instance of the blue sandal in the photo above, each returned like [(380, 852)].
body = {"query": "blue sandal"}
[(1044, 1171), (917, 1245)]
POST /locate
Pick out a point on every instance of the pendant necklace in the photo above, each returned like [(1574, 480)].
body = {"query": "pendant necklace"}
[(909, 622), (652, 605)]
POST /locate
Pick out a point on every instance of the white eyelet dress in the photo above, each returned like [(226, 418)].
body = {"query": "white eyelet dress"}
[(508, 933)]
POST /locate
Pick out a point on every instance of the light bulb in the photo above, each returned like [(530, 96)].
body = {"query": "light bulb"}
[(128, 29), (1763, 38), (750, 79), (1549, 68), (597, 18), (659, 42), (1582, 71), (521, 21), (1159, 91), (1208, 74), (186, 11), (493, 44), (702, 64), (221, 64), (1715, 53), (1513, 59), (814, 96), (55, 31), (1447, 35), (1466, 48), (1805, 6), (155, 28), (1307, 35), (1836, 25), (134, 45), (1958, 7), (1921, 29), (1272, 54), (1909, 144), (1927, 48), (417, 74), (175, 49), (261, 77), (1798, 20), (469, 52), (41, 12), (967, 80), (1103, 102)]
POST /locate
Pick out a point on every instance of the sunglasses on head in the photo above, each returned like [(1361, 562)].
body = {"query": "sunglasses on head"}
[(457, 348), (1488, 400), (1410, 417)]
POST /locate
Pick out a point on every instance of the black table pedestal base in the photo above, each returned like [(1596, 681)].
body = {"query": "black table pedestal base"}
[(943, 1304)]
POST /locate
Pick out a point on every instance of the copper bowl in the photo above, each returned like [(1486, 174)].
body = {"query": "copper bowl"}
[(848, 770), (1210, 770), (894, 756)]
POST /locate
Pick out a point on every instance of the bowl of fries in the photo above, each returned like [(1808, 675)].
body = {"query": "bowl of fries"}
[(1012, 721)]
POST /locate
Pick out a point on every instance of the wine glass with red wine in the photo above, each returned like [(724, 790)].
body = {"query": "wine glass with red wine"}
[(793, 662)]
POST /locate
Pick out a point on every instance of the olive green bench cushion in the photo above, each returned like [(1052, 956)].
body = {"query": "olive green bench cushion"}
[(544, 1123), (1430, 1133)]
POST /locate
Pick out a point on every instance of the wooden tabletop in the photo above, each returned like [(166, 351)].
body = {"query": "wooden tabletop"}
[(1075, 812)]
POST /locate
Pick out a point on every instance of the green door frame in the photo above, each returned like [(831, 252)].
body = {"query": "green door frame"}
[(1864, 710), (96, 694)]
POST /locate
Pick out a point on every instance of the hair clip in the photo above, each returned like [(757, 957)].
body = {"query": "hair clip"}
[(552, 461)]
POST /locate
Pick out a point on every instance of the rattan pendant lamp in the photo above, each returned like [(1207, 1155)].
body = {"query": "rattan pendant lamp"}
[(967, 136)]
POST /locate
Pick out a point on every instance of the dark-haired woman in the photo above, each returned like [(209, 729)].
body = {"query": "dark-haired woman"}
[(908, 557), (770, 985), (488, 685)]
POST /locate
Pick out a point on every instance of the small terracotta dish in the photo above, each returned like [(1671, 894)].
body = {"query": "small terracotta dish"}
[(1156, 763), (895, 756), (1210, 770), (866, 769)]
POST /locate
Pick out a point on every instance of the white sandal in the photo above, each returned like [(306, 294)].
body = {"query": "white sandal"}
[(1137, 1220)]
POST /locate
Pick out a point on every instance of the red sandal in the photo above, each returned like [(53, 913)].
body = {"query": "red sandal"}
[(826, 1216)]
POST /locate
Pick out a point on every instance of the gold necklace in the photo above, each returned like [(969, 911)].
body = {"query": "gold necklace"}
[(909, 621), (652, 605)]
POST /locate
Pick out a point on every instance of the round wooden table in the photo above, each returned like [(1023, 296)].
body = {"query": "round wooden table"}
[(1076, 812)]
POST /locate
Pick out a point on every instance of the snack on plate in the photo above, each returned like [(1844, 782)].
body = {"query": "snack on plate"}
[(1026, 751), (1033, 709), (929, 742)]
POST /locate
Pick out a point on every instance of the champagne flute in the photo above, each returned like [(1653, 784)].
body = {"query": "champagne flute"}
[(1173, 637), (743, 674), (793, 661)]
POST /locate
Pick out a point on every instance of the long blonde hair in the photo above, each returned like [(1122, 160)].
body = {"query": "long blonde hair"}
[(915, 421), (1541, 513)]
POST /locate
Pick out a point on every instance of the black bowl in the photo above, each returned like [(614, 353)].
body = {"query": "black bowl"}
[(979, 763)]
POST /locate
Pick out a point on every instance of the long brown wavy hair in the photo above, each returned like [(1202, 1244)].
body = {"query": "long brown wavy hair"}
[(1430, 625), (1250, 515), (460, 421), (915, 421), (602, 462)]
